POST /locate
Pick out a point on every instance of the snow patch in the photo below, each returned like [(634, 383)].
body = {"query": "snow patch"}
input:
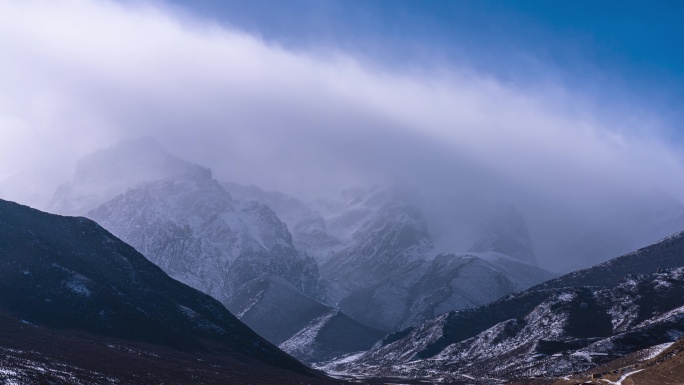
[(78, 286), (250, 304), (566, 297), (654, 351), (305, 338)]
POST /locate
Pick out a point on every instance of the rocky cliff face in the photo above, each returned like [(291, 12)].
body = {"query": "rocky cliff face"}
[(310, 233), (192, 228), (238, 252)]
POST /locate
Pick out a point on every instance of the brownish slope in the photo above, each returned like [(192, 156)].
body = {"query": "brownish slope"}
[(666, 368)]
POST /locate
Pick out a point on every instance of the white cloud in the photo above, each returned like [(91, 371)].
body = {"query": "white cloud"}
[(77, 75)]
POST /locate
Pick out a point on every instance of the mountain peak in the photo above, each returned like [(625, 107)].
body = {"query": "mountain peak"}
[(108, 172), (505, 232)]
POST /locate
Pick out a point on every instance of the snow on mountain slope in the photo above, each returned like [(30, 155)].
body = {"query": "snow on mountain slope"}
[(309, 229), (660, 364), (192, 228), (238, 252), (374, 245), (284, 316), (388, 277), (381, 269), (466, 281), (425, 289), (275, 309), (322, 339), (540, 331), (384, 234)]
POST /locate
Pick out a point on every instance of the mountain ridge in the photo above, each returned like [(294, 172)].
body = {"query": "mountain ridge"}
[(68, 273)]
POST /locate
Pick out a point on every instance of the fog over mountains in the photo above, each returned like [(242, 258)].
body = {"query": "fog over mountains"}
[(357, 288), (307, 275), (559, 239), (586, 173), (320, 192), (360, 265)]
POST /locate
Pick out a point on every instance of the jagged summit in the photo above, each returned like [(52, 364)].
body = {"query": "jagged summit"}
[(106, 173), (189, 225), (387, 277), (378, 258), (237, 251), (309, 229), (259, 252)]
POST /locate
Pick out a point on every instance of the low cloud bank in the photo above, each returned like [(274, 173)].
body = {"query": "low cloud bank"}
[(80, 75)]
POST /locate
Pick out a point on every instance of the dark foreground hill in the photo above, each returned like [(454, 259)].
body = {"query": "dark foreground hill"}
[(75, 299), (32, 354)]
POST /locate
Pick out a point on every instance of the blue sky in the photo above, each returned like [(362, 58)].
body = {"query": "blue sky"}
[(617, 51)]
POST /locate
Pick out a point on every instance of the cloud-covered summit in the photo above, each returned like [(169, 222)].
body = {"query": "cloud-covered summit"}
[(80, 75)]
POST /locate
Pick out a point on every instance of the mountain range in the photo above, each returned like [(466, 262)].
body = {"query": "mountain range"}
[(360, 265), (354, 286), (570, 324)]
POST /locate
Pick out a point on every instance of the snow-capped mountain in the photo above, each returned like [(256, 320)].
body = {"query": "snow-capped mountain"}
[(378, 260), (67, 280), (384, 234), (106, 173), (193, 229), (309, 229), (387, 276), (256, 251), (377, 256), (547, 330), (237, 252)]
